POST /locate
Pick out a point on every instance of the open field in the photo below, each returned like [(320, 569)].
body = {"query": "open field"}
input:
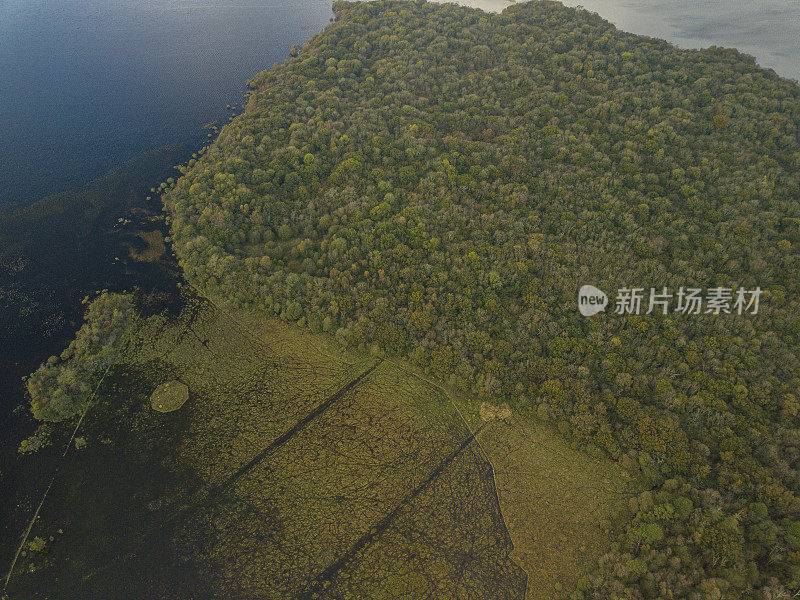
[(294, 470), (556, 502)]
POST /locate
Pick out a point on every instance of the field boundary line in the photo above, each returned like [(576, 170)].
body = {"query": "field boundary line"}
[(485, 455), (216, 489), (375, 531)]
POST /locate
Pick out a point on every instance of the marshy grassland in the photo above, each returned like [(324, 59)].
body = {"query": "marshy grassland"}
[(297, 469)]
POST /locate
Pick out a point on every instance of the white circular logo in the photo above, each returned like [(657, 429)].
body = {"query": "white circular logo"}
[(591, 300)]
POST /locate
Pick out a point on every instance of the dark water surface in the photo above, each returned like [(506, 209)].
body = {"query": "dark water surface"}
[(89, 84)]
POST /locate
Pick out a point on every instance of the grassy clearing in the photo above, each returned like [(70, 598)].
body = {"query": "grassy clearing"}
[(247, 387), (293, 468), (296, 469), (558, 503), (295, 521)]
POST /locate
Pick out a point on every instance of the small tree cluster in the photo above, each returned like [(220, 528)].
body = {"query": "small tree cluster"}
[(63, 387)]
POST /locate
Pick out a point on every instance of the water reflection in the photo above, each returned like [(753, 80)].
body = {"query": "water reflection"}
[(87, 84)]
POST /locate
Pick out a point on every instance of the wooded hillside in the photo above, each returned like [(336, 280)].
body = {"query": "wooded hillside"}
[(432, 181)]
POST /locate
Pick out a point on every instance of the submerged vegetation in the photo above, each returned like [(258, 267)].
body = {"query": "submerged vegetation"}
[(59, 250), (63, 387), (434, 182)]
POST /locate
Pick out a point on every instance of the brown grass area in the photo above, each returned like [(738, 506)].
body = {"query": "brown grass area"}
[(298, 469), (553, 500), (557, 502)]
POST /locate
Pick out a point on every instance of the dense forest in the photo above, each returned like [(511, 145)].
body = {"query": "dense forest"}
[(436, 182)]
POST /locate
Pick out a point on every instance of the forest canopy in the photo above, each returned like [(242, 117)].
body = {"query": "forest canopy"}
[(64, 386), (436, 182)]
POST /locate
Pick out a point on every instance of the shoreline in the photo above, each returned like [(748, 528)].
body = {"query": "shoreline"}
[(101, 244), (104, 257)]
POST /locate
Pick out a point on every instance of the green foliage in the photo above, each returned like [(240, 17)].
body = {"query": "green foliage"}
[(63, 387), (40, 439), (647, 533), (441, 183), (683, 508), (722, 541), (37, 544)]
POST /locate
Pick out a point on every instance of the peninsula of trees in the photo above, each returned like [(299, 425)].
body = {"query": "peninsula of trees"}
[(436, 182)]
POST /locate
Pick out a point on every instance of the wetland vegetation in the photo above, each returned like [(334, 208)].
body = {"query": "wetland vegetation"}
[(295, 467)]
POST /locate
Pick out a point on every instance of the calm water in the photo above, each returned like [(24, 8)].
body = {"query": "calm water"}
[(766, 29), (88, 84)]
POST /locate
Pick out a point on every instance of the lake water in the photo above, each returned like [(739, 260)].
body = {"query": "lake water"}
[(88, 84)]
